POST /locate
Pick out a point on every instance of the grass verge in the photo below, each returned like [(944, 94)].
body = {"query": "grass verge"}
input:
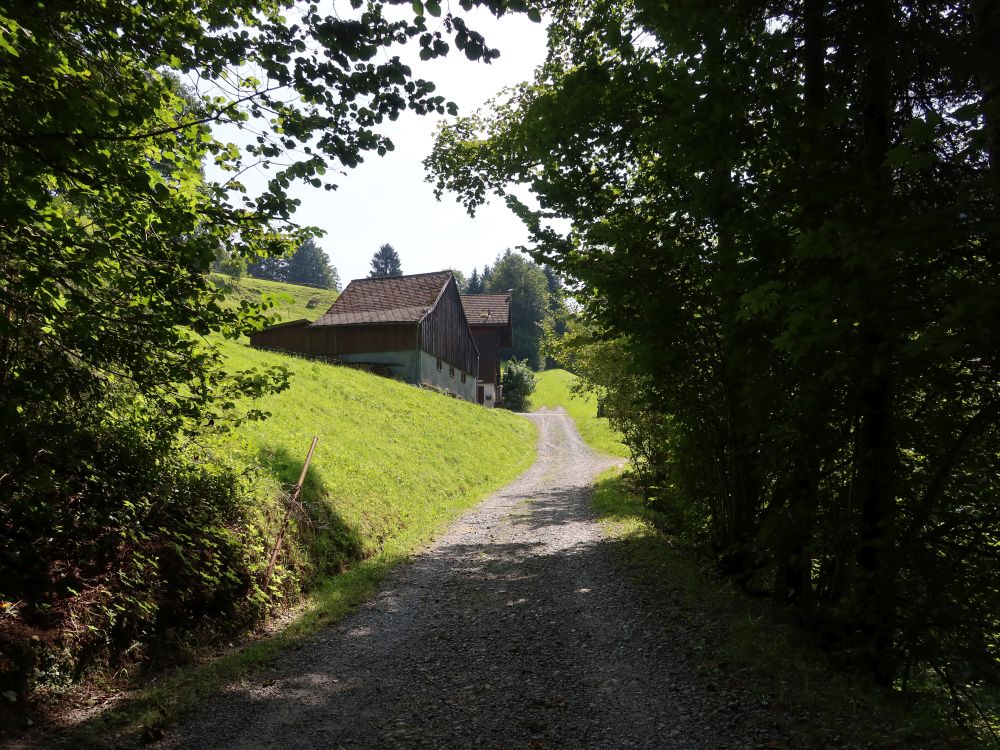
[(554, 388), (754, 648)]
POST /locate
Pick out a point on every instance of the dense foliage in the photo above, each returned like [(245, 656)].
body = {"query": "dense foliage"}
[(785, 225), (529, 303), (537, 301), (385, 262)]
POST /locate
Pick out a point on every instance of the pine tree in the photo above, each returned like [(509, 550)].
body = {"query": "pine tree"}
[(385, 262), (475, 283)]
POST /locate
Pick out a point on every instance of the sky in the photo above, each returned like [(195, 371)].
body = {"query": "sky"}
[(386, 199)]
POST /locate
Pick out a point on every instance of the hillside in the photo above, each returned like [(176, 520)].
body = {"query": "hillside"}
[(554, 388), (393, 461), (291, 301)]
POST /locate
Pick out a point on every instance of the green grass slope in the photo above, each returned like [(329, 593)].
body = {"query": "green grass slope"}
[(291, 301), (554, 388), (393, 461)]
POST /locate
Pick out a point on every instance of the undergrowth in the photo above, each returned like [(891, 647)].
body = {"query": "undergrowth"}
[(759, 647)]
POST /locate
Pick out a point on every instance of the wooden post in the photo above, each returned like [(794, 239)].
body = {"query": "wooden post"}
[(296, 491)]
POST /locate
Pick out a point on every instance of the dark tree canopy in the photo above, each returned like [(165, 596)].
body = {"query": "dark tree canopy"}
[(475, 283), (308, 266), (785, 225), (529, 306), (385, 262)]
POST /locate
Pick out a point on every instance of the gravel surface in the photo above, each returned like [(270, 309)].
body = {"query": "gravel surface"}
[(516, 629)]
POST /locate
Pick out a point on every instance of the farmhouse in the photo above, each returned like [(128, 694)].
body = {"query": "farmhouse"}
[(489, 321), (412, 327)]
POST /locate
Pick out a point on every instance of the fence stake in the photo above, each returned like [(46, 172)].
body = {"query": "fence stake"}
[(296, 491)]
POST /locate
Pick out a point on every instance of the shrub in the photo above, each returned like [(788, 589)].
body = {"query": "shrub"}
[(118, 538), (518, 383)]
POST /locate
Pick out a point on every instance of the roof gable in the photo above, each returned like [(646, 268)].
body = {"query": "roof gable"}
[(393, 299)]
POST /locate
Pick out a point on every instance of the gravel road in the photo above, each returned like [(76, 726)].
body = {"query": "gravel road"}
[(516, 629)]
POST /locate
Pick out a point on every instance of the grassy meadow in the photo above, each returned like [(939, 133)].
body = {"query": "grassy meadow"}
[(291, 301), (393, 461), (554, 388)]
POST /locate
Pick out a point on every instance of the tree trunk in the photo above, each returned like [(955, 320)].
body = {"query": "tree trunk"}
[(794, 566), (876, 585)]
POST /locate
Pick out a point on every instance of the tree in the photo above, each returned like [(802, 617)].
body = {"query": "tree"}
[(385, 262), (269, 269), (475, 283), (463, 284), (529, 304), (108, 222), (787, 216), (234, 268), (310, 266)]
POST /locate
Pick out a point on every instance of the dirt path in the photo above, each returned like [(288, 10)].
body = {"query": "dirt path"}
[(517, 629)]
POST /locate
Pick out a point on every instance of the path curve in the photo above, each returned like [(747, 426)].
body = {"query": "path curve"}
[(516, 629)]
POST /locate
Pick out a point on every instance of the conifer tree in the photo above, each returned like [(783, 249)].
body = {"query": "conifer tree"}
[(385, 262)]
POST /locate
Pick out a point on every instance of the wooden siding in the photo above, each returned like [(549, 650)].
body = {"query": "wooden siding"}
[(287, 337), (488, 342), (336, 340), (330, 341), (444, 332)]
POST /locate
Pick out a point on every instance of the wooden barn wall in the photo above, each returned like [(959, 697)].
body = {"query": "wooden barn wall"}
[(334, 340), (291, 338), (445, 333), (487, 340)]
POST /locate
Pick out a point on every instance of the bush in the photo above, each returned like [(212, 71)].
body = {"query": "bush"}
[(118, 539), (518, 384)]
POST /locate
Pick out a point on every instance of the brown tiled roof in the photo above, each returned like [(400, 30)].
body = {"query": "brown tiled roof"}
[(487, 309), (394, 299)]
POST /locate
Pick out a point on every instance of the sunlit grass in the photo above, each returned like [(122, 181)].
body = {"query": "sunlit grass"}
[(291, 301), (554, 388)]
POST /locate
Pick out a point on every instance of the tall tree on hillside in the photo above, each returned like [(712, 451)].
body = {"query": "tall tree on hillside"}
[(310, 266), (385, 262), (529, 306)]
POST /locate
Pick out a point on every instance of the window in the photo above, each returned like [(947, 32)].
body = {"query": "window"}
[(440, 366), (463, 376), (451, 371)]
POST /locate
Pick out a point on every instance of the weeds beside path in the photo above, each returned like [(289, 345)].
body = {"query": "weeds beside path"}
[(754, 648)]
